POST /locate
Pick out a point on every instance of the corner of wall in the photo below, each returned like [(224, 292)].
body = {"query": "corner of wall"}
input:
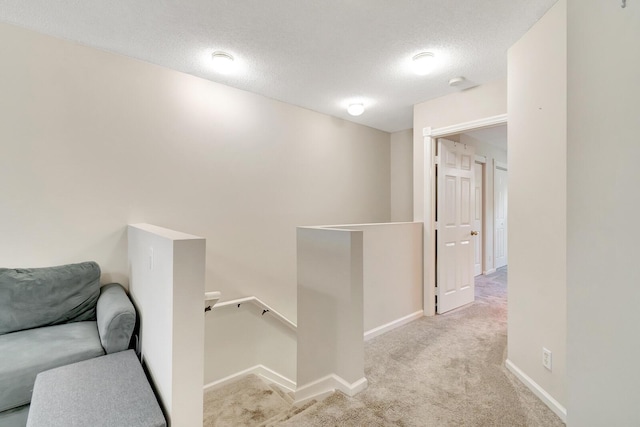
[(537, 132), (401, 176)]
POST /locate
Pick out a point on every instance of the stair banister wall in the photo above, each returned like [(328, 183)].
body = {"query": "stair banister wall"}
[(167, 274), (249, 335), (241, 340), (330, 312), (392, 284)]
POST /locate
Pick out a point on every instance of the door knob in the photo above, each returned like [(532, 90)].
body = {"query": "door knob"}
[(474, 233)]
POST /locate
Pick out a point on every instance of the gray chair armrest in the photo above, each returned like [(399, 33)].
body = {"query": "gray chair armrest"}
[(116, 318)]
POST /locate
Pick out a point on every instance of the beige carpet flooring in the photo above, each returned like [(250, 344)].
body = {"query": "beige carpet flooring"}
[(247, 402), (446, 370)]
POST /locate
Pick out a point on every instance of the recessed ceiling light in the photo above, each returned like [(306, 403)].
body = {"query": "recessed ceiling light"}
[(222, 62), (423, 63), (355, 109)]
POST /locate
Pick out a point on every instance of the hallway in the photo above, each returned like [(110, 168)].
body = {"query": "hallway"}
[(446, 370)]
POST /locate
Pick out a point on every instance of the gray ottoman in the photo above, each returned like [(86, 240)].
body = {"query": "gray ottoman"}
[(110, 391)]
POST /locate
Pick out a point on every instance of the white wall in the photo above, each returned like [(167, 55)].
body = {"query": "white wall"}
[(603, 204), (330, 324), (537, 132), (402, 176), (392, 274), (92, 141), (241, 338), (231, 342), (167, 287), (492, 154)]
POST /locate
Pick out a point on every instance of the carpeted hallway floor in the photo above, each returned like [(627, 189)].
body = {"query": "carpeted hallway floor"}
[(446, 370), (440, 371)]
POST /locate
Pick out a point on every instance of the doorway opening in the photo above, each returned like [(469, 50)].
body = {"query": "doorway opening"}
[(478, 215)]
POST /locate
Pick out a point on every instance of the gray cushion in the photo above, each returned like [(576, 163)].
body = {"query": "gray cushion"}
[(26, 353), (116, 318), (15, 417), (106, 391), (34, 297)]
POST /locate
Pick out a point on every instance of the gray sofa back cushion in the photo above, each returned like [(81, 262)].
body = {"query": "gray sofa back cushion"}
[(35, 297)]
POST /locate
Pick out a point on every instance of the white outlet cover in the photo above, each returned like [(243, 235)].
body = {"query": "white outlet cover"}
[(546, 358)]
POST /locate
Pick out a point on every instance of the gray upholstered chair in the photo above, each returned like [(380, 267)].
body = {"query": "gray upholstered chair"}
[(51, 317)]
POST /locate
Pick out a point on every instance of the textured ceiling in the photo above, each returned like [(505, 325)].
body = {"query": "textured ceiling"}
[(316, 54)]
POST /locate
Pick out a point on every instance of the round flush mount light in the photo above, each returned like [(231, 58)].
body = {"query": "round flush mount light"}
[(355, 109), (222, 62), (423, 63), (456, 81)]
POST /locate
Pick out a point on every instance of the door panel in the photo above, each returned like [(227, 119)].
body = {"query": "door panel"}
[(449, 200), (465, 201), (455, 213), (465, 163), (465, 254), (448, 268)]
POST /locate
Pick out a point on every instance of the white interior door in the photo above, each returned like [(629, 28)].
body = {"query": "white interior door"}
[(477, 221), (454, 209), (500, 197)]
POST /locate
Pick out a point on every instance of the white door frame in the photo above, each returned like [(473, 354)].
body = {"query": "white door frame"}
[(424, 198), (503, 166), (482, 161)]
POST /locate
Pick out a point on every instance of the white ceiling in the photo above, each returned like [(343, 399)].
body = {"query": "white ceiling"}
[(316, 54)]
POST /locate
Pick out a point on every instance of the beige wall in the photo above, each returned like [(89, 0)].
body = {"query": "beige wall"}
[(459, 107), (392, 274), (603, 204), (92, 141), (402, 176), (241, 338), (537, 94), (492, 155), (472, 104), (331, 318)]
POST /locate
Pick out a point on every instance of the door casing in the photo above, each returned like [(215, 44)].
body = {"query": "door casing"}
[(424, 198), (480, 162), (499, 261)]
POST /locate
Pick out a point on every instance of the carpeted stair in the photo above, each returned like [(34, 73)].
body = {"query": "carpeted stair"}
[(250, 401), (290, 414)]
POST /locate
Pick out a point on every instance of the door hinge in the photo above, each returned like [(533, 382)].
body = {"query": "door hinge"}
[(436, 160), (435, 225)]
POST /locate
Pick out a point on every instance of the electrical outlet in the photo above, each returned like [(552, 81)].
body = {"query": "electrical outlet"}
[(546, 358)]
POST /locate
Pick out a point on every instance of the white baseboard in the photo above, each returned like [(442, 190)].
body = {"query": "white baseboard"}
[(319, 389), (542, 394), (392, 325), (490, 271), (267, 374)]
